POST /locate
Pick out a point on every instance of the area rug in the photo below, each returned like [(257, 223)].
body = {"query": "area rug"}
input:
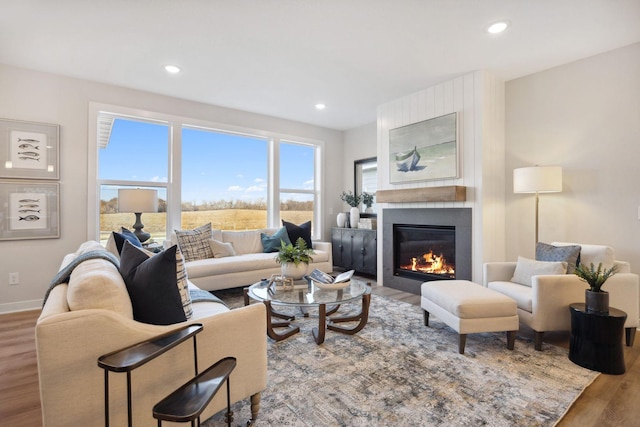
[(396, 371)]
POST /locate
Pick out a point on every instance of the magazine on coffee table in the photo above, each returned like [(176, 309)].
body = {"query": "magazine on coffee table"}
[(322, 277)]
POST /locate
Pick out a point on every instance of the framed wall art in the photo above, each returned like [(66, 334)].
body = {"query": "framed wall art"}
[(29, 210), (426, 150), (29, 150)]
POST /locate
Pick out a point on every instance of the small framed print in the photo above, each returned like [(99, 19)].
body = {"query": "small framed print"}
[(29, 150), (29, 210)]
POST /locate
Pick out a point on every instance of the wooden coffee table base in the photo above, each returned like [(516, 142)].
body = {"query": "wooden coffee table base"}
[(324, 322)]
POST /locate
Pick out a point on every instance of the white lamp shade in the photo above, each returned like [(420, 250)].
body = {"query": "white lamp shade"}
[(137, 200), (537, 179)]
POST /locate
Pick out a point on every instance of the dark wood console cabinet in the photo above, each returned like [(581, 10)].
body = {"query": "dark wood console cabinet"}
[(355, 249)]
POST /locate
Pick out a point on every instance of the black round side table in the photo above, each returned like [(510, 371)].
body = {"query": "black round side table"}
[(596, 339)]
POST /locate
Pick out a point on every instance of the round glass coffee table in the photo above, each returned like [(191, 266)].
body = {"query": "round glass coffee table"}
[(310, 296)]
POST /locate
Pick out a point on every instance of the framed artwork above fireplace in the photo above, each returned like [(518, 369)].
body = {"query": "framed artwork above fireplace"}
[(423, 151)]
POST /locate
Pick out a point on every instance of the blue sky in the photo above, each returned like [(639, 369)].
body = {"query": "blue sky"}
[(215, 166)]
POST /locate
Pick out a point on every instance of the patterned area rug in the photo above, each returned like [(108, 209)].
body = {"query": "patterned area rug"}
[(396, 371)]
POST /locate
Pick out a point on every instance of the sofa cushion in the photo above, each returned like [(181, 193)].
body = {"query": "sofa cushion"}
[(97, 284), (152, 285), (522, 295), (244, 242), (194, 244), (527, 268), (297, 231), (272, 243), (595, 254), (569, 254), (221, 249)]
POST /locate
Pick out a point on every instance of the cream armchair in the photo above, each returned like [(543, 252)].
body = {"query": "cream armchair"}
[(544, 306)]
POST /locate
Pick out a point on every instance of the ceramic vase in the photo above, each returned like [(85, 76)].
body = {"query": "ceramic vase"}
[(596, 302), (342, 219), (354, 217), (296, 272)]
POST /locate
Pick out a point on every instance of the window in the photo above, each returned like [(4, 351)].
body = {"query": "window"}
[(297, 182), (237, 179), (134, 156), (224, 180)]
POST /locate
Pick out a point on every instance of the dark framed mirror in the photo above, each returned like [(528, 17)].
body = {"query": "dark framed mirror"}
[(365, 177)]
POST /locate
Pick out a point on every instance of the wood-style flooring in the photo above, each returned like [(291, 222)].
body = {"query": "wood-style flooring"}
[(612, 400)]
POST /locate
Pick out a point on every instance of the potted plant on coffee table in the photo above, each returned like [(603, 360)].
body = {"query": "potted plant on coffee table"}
[(596, 300), (294, 259)]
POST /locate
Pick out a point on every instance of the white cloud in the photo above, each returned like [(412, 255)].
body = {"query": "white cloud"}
[(234, 188), (254, 188), (259, 180)]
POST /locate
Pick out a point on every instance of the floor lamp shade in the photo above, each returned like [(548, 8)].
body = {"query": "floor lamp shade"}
[(537, 179), (138, 200)]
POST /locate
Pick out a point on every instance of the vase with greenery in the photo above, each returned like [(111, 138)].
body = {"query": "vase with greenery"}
[(596, 300), (351, 199), (294, 259), (367, 200)]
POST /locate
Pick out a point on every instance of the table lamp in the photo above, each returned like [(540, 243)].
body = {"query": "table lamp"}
[(138, 200), (537, 179)]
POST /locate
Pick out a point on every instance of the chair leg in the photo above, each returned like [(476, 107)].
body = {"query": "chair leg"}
[(630, 334), (461, 343), (425, 314), (537, 343)]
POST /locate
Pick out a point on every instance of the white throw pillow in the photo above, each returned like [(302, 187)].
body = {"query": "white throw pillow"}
[(527, 268), (221, 249)]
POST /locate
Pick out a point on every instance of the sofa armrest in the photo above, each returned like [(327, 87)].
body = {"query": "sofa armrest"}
[(69, 344), (326, 247), (497, 272)]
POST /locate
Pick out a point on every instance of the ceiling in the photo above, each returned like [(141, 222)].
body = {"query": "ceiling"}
[(281, 57)]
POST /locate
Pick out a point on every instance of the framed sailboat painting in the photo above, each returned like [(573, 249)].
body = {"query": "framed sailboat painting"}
[(423, 151)]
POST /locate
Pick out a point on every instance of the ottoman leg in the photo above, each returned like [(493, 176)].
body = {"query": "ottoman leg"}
[(462, 341), (511, 339), (425, 314), (537, 340)]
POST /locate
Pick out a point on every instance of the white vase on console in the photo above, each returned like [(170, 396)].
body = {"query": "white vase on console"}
[(354, 217), (342, 219)]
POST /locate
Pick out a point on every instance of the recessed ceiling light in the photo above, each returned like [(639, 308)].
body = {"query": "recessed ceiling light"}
[(173, 69), (498, 27), (320, 106)]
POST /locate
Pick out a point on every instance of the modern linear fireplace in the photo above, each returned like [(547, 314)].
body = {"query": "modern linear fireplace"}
[(424, 244)]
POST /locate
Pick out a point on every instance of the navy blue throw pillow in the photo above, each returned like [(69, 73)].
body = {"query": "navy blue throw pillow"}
[(152, 285), (125, 236), (296, 231)]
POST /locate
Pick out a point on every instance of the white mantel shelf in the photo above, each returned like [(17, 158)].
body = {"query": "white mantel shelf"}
[(451, 193)]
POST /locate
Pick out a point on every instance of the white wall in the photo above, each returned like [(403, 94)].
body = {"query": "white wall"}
[(479, 99), (359, 143), (47, 98), (585, 117)]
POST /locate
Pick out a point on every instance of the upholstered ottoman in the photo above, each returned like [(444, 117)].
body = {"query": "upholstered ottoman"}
[(470, 308)]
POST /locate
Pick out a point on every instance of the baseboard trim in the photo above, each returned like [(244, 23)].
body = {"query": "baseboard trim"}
[(12, 307)]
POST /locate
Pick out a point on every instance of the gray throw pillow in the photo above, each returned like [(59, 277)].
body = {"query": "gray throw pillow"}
[(569, 254)]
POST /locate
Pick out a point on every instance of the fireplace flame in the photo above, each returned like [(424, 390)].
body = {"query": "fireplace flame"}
[(430, 263)]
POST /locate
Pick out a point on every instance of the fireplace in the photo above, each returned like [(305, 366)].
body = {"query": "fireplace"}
[(424, 252), (424, 244)]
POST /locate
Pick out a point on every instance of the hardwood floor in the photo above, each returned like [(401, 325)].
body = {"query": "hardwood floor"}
[(612, 400)]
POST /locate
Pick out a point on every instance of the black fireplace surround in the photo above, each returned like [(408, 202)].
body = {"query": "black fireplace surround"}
[(448, 231)]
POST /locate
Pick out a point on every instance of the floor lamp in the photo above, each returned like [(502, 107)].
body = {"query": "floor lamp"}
[(537, 179), (138, 200)]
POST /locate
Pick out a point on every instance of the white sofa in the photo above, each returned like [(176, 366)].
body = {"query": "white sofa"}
[(92, 315), (543, 306), (249, 265)]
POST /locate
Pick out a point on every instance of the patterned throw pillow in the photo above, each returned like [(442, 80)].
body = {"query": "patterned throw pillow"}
[(194, 244), (569, 254)]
